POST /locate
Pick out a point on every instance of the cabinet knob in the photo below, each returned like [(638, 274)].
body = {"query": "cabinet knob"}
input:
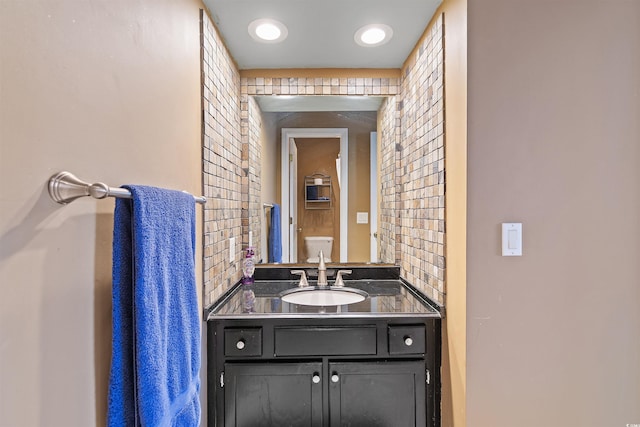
[(408, 341), (335, 378), (316, 378), (240, 344)]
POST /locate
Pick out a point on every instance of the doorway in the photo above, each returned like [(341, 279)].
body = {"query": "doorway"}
[(318, 210), (290, 192)]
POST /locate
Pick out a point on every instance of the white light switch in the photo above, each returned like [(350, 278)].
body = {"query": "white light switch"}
[(362, 217), (512, 239), (232, 249)]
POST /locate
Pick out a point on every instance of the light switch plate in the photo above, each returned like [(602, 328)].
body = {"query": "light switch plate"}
[(232, 249), (512, 239), (362, 217)]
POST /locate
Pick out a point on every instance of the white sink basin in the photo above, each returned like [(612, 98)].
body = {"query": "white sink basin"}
[(323, 296)]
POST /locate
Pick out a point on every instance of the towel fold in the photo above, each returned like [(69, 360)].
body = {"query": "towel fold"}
[(155, 366), (275, 235)]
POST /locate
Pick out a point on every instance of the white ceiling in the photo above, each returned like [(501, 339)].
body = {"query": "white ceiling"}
[(321, 32)]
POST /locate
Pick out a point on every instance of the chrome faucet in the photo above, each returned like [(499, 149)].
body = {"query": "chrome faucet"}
[(322, 271)]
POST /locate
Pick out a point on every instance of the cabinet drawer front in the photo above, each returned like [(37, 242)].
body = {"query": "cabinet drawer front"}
[(325, 341), (243, 342), (406, 340)]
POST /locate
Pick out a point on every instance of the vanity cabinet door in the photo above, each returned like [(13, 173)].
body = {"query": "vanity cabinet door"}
[(273, 394), (383, 394)]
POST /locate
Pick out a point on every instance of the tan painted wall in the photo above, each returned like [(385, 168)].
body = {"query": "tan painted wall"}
[(454, 328), (553, 337), (359, 196), (111, 92)]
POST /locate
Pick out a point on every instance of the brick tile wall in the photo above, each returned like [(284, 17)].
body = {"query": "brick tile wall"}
[(420, 172), (389, 135), (222, 152), (295, 85)]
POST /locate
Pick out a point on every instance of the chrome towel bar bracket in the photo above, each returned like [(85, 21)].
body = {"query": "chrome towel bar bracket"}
[(65, 187)]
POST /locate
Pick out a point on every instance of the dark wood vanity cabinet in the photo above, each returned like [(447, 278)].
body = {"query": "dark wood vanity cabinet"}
[(272, 394), (360, 372), (390, 393)]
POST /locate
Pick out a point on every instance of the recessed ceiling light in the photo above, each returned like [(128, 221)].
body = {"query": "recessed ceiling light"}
[(373, 35), (268, 30)]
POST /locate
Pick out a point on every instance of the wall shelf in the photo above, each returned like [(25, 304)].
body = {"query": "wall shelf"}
[(318, 192)]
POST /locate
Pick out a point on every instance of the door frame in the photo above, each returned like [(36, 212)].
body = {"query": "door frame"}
[(373, 196), (343, 135), (293, 199)]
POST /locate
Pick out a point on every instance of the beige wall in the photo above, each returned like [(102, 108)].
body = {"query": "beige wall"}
[(360, 192), (454, 329), (553, 337), (109, 90)]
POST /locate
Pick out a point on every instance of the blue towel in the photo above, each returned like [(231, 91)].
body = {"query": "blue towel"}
[(155, 365), (275, 236)]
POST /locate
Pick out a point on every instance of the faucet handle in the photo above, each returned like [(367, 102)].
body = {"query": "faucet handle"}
[(303, 277), (339, 281)]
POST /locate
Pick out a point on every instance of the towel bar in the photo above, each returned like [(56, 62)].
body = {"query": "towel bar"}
[(65, 187)]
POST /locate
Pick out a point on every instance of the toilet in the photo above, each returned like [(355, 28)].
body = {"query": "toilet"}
[(315, 244)]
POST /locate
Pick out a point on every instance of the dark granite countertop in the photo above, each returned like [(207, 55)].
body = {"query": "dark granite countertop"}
[(386, 298)]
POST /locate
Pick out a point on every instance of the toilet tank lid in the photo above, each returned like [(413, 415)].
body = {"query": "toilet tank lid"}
[(318, 238)]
